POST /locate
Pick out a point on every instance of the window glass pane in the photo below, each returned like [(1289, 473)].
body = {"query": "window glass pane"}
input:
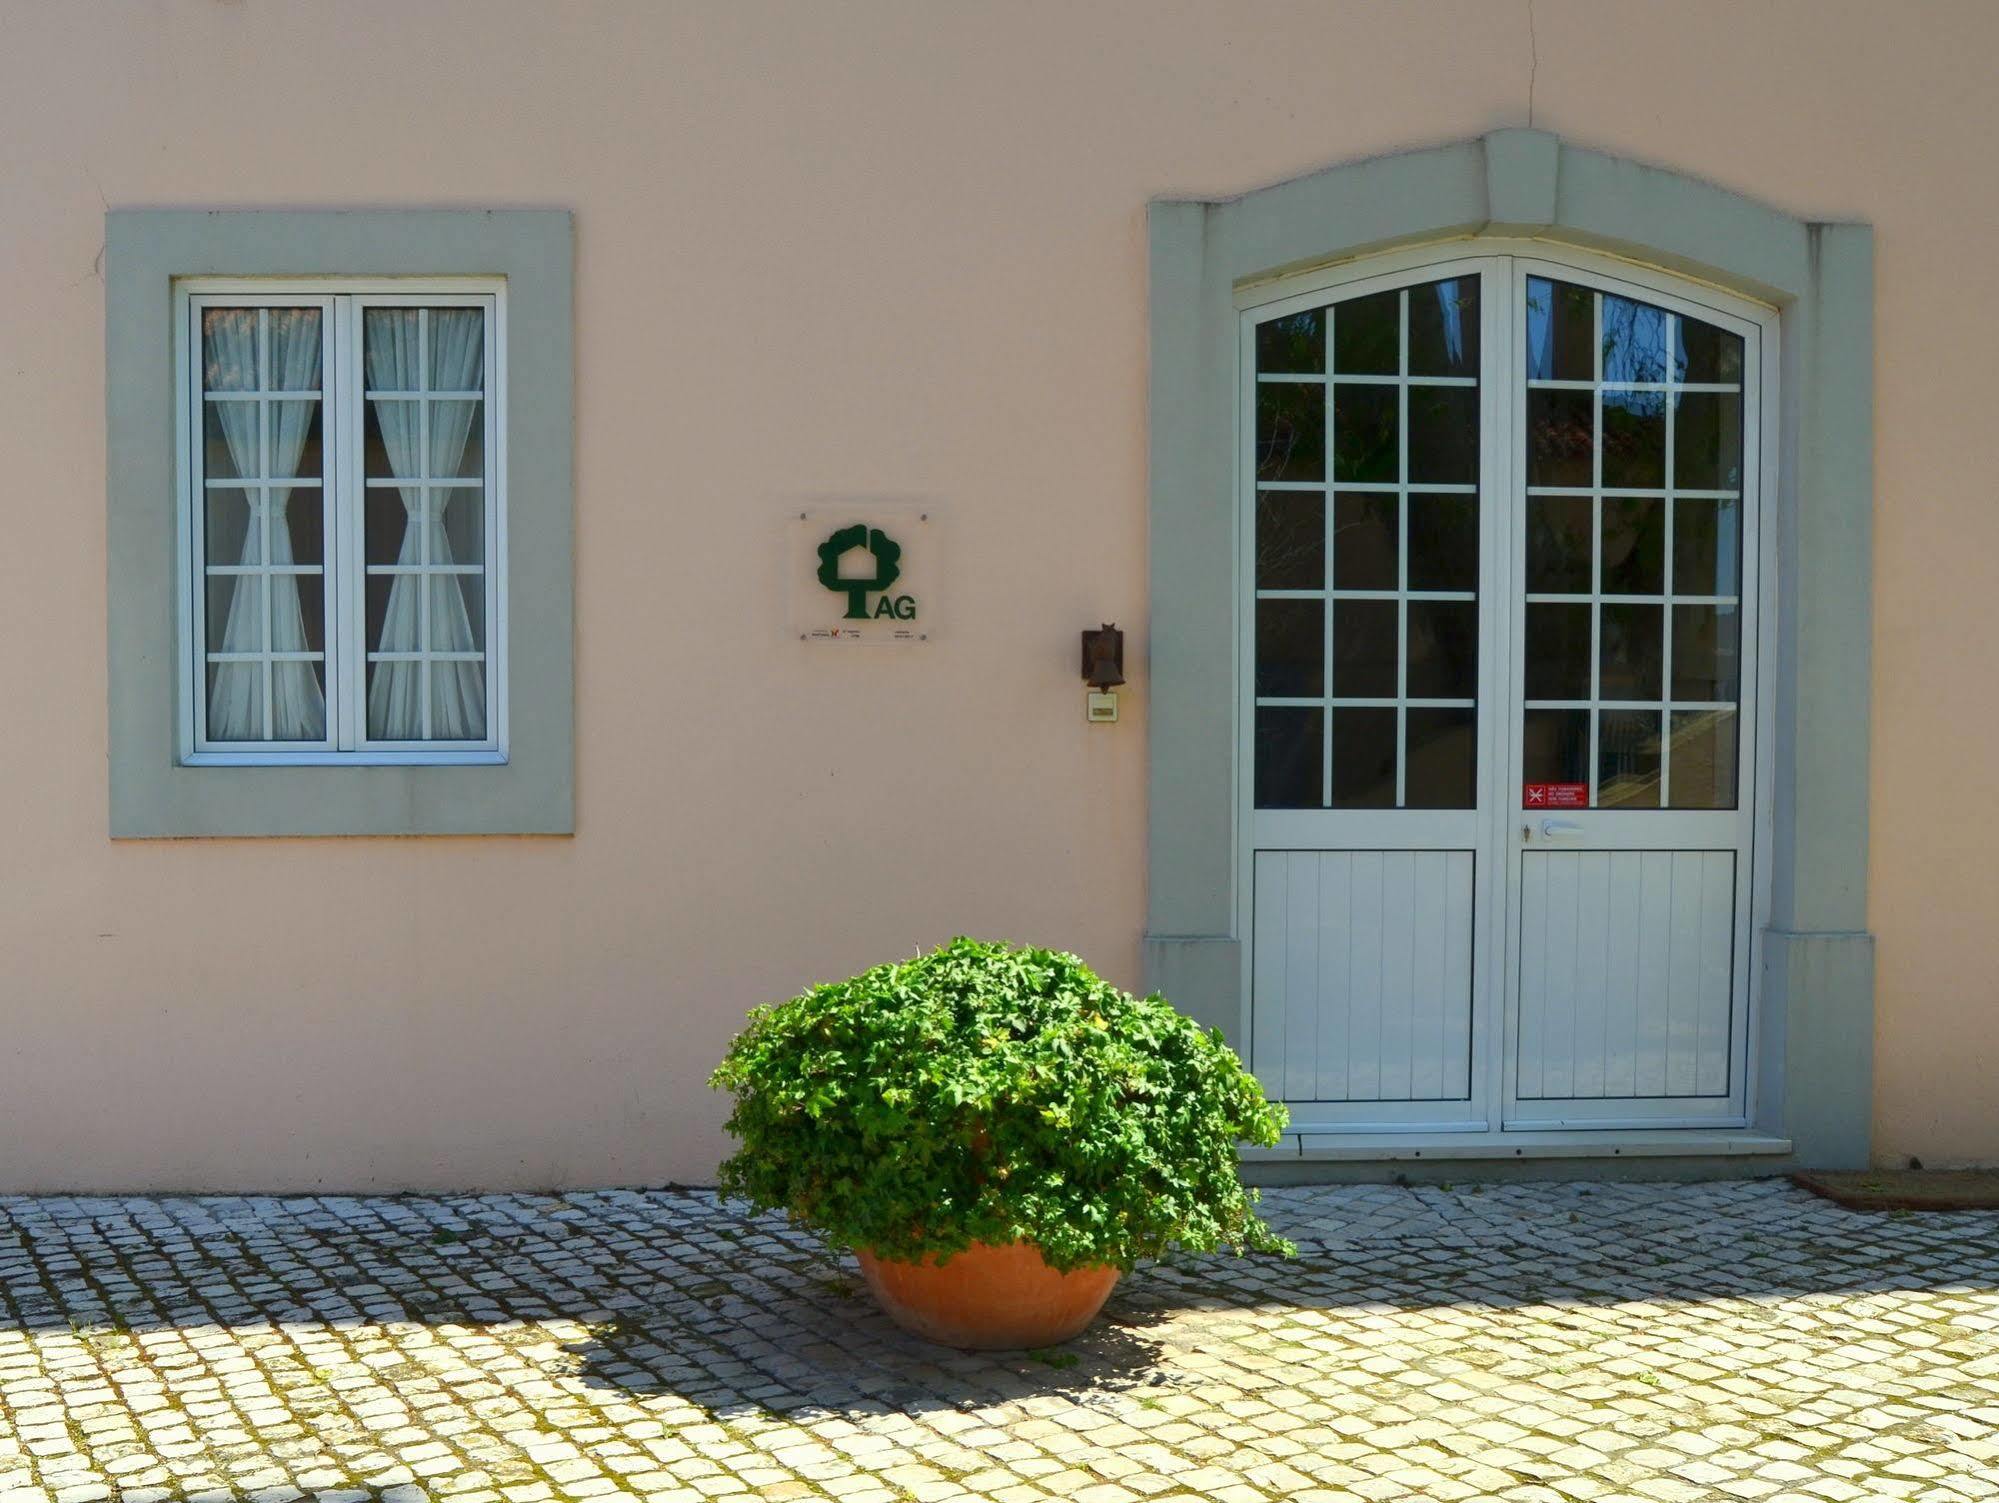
[(1443, 542), (1560, 321), (220, 600), (218, 459), (1634, 341), (1634, 439), (1443, 328), (1633, 652), (456, 341), (1707, 544), (1443, 435), (1290, 431), (457, 440), (1555, 746), (1634, 545), (1363, 759), (457, 701), (1290, 649), (1364, 633), (1703, 759), (1290, 540), (1561, 438), (1367, 335), (235, 701), (298, 701), (464, 527), (1366, 431), (384, 524), (228, 536), (1443, 649), (1290, 751), (1441, 759), (1557, 652), (1707, 441), (229, 350), (1627, 759), (1706, 660), (457, 619), (1364, 542), (1558, 545), (1292, 344), (312, 612)]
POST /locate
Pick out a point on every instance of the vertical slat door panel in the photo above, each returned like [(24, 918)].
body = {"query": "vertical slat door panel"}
[(1627, 963), (1362, 974)]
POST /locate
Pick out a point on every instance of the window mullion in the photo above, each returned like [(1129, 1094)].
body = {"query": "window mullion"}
[(348, 679)]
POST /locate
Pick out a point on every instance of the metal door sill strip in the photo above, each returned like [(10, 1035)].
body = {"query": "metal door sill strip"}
[(1618, 1143)]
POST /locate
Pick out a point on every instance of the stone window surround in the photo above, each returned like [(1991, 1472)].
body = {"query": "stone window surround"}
[(152, 792), (1815, 1021)]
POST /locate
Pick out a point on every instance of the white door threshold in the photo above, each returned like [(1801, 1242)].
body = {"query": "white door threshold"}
[(1600, 1144)]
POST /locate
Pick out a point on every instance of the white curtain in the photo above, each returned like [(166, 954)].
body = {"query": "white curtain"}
[(235, 704), (457, 363)]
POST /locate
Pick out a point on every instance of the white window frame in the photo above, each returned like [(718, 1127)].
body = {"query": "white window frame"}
[(343, 422)]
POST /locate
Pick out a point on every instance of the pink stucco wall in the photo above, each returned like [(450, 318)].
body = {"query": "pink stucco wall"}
[(885, 248)]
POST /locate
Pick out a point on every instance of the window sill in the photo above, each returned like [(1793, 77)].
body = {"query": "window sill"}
[(482, 757)]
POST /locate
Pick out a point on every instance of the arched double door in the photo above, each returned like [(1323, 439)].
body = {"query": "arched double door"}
[(1501, 549)]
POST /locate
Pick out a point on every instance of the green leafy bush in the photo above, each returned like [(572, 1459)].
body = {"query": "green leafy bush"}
[(983, 1093)]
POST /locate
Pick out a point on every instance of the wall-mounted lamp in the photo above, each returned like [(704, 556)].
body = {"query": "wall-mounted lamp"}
[(1103, 670)]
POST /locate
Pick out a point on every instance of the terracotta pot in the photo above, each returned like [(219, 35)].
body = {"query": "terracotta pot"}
[(988, 1298)]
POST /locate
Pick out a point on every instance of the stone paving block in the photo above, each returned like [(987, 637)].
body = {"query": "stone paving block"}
[(1673, 1344)]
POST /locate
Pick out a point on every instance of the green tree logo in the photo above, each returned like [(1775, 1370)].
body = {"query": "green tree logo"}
[(888, 565)]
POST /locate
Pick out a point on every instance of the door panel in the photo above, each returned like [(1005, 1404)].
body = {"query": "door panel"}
[(1363, 975), (1626, 974)]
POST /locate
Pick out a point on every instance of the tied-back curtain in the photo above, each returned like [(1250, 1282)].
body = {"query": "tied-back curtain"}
[(235, 704), (394, 359)]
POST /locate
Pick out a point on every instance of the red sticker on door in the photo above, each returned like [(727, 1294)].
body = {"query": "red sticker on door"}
[(1557, 796)]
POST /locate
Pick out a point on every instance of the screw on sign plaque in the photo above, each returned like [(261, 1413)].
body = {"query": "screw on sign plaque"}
[(1556, 796)]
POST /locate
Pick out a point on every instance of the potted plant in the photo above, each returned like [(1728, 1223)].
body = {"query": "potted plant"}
[(997, 1133)]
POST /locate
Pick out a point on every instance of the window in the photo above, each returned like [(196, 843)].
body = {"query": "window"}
[(343, 522)]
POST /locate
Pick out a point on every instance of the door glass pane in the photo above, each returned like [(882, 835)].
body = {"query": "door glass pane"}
[(1291, 649), (1443, 649), (1290, 431), (1292, 345), (1367, 551), (1367, 438), (1443, 328), (1441, 758), (1634, 545), (1367, 335), (1363, 758), (1704, 761), (1627, 759), (1558, 545), (1290, 540), (1366, 541), (1638, 411), (1290, 753), (1443, 542), (1364, 649)]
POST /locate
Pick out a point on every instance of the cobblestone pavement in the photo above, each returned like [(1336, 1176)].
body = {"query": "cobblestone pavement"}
[(1666, 1343)]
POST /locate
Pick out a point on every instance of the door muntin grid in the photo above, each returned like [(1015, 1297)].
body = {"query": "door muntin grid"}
[(1632, 549), (1366, 639)]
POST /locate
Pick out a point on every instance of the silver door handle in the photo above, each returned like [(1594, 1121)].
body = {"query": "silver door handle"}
[(1560, 829)]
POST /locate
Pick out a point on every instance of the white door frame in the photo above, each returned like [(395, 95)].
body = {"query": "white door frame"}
[(1493, 831)]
